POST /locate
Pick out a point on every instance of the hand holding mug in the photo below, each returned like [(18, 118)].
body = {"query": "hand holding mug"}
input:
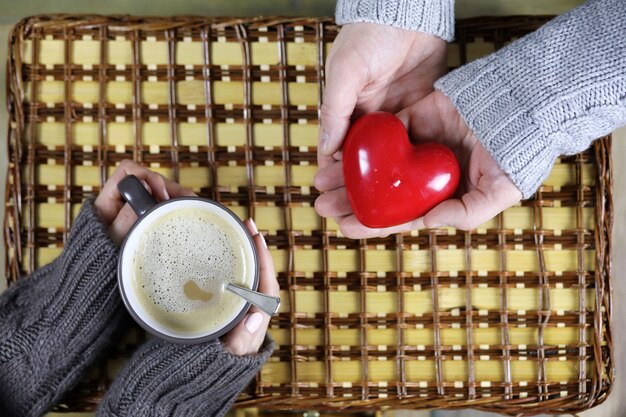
[(178, 258), (247, 337), (116, 215)]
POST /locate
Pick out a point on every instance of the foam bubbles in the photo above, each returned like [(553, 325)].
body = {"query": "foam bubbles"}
[(182, 246)]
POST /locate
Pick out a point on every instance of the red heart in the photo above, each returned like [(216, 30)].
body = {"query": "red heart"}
[(390, 180)]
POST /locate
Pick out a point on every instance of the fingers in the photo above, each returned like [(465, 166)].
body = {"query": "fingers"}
[(329, 177), (422, 119), (334, 200), (335, 116), (174, 189), (246, 338), (112, 207), (267, 275), (121, 224), (433, 117), (343, 85), (473, 208), (491, 191), (255, 322), (110, 202), (333, 203), (324, 161), (352, 228)]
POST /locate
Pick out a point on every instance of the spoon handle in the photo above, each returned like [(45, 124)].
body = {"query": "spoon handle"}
[(267, 303)]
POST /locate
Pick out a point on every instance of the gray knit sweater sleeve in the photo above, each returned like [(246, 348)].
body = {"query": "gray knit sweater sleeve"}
[(548, 94), (435, 17), (54, 323), (164, 379)]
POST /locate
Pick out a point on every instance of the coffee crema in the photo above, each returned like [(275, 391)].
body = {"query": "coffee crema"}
[(182, 263)]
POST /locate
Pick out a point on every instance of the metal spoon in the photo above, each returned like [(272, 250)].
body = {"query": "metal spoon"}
[(267, 303)]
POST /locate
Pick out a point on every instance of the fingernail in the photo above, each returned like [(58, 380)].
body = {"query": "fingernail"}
[(253, 322), (263, 240), (166, 194), (324, 141), (146, 186), (254, 228)]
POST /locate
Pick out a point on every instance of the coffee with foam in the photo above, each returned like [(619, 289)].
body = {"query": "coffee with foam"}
[(181, 264)]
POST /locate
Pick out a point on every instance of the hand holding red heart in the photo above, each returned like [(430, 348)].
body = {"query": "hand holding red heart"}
[(389, 180), (484, 189), (374, 67)]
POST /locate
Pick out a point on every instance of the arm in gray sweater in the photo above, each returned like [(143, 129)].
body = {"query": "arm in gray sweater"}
[(164, 379), (435, 17), (548, 94), (55, 323)]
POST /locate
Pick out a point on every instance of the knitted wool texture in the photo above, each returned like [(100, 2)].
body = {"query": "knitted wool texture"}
[(165, 379), (428, 16), (54, 323), (548, 94)]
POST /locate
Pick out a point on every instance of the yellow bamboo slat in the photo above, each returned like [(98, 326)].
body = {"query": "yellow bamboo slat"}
[(305, 219), (344, 302), (450, 337)]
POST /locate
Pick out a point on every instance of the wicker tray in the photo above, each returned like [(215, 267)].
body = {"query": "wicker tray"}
[(513, 317)]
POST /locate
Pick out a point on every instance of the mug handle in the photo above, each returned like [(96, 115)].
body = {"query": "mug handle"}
[(136, 195)]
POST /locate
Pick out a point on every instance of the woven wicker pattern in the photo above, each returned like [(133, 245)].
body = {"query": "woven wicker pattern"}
[(511, 317)]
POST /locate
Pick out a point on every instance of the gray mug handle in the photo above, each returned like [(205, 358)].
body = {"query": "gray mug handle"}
[(136, 195)]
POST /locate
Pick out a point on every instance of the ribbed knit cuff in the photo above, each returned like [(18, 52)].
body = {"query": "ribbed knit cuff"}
[(55, 323), (506, 128), (164, 379), (548, 94), (428, 16)]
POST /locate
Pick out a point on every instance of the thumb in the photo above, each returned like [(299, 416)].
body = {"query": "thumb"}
[(343, 86)]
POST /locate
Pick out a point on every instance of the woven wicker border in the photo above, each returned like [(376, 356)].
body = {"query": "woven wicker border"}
[(495, 30)]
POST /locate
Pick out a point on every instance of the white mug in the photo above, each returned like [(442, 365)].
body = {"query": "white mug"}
[(149, 211)]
